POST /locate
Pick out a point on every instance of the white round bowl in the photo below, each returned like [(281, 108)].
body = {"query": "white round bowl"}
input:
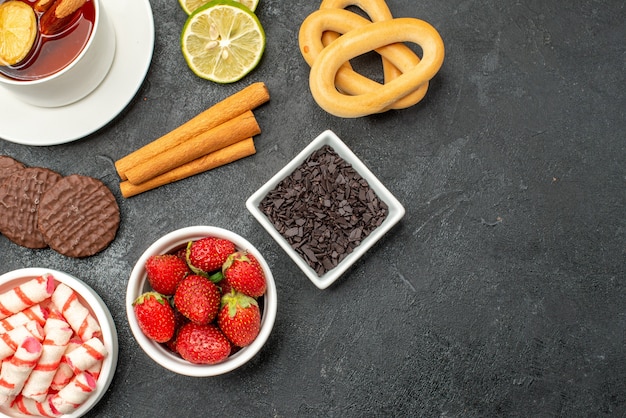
[(90, 299), (77, 79), (138, 284)]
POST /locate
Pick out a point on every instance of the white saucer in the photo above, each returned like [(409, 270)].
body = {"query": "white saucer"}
[(31, 125)]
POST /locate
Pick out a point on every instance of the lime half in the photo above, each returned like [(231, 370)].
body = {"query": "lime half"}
[(18, 30), (222, 41), (190, 6)]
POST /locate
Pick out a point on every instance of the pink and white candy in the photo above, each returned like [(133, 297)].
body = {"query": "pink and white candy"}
[(33, 313), (77, 315), (14, 372), (86, 356), (74, 394), (57, 335), (10, 341), (25, 295)]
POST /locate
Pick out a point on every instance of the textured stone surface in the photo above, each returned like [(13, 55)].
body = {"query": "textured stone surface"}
[(502, 290)]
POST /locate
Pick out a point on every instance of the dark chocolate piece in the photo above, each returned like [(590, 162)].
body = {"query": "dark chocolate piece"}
[(20, 196), (78, 216), (324, 209)]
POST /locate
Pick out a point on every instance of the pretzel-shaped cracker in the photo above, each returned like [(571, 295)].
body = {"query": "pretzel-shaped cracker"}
[(341, 91), (347, 80), (377, 11)]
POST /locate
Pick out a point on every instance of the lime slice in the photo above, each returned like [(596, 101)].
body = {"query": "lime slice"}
[(222, 41), (18, 30), (189, 6)]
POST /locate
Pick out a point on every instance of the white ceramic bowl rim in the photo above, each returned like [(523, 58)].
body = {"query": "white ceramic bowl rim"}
[(103, 315), (96, 24), (160, 354)]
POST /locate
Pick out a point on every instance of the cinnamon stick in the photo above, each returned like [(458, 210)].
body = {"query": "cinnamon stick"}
[(228, 133), (246, 99), (215, 159)]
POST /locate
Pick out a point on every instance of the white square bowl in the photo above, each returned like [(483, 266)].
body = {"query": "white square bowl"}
[(395, 209)]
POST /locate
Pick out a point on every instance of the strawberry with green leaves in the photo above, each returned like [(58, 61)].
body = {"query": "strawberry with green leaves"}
[(207, 255), (155, 316), (202, 344), (244, 274), (239, 318), (165, 272), (198, 299)]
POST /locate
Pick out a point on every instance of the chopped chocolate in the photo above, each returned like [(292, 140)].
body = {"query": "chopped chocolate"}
[(324, 209)]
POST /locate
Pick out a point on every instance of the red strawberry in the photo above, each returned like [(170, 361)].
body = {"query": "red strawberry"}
[(155, 316), (181, 253), (239, 318), (202, 344), (165, 272), (224, 286), (179, 321), (244, 274), (198, 299), (208, 254)]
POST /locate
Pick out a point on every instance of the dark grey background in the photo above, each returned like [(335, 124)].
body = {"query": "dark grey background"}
[(501, 293)]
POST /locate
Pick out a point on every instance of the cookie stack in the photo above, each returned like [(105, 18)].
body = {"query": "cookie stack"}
[(74, 215)]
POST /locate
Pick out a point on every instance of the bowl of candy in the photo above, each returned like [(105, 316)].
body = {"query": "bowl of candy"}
[(201, 301), (325, 208), (59, 348)]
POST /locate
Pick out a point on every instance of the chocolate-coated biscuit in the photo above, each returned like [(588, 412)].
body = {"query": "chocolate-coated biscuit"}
[(78, 216), (20, 196), (8, 166)]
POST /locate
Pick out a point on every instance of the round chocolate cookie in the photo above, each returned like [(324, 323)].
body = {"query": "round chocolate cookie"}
[(20, 195), (9, 166), (78, 216)]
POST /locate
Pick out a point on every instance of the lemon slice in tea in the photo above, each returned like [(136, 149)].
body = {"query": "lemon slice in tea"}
[(222, 41), (189, 6), (18, 30)]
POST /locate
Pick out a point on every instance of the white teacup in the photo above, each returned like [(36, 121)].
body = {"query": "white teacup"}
[(77, 79)]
